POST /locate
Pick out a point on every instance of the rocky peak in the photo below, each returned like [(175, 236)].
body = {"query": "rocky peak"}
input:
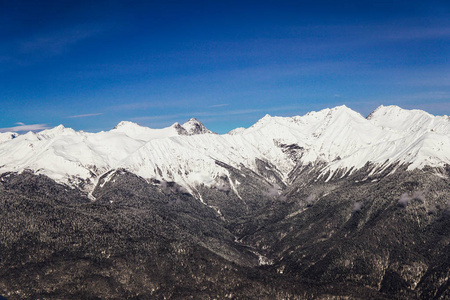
[(180, 129), (194, 126)]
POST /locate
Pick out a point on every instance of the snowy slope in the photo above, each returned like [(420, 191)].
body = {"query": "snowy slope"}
[(7, 136), (338, 138), (408, 136), (138, 132)]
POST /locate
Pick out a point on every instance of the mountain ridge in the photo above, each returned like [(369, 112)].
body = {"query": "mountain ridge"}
[(334, 139)]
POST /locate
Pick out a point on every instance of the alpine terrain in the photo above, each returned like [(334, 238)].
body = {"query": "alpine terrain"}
[(329, 205)]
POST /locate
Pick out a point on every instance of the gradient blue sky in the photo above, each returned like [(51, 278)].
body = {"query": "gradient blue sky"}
[(90, 64)]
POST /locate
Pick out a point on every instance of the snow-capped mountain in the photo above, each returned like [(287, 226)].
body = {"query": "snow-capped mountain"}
[(190, 154)]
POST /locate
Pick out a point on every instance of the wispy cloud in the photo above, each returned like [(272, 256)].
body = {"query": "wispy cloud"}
[(20, 128), (404, 200), (357, 206), (84, 116), (219, 105), (273, 191)]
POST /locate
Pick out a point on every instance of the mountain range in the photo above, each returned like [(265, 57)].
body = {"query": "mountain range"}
[(339, 140), (326, 205)]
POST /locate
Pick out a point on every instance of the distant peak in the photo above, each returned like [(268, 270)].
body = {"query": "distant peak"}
[(194, 126), (344, 111), (265, 118), (342, 108), (126, 124), (60, 129), (389, 108), (394, 112), (192, 122), (384, 110)]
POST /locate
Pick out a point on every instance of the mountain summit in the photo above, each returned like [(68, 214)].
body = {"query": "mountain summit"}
[(133, 130), (194, 126)]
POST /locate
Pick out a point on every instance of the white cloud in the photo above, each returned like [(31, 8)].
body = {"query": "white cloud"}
[(357, 206), (219, 105), (33, 127), (85, 115), (404, 200)]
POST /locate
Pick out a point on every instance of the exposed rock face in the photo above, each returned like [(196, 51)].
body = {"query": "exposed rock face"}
[(194, 126), (357, 236)]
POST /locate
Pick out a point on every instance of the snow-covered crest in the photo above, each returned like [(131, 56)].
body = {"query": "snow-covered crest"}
[(7, 136), (188, 154)]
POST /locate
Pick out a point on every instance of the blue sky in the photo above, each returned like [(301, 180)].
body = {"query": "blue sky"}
[(91, 64)]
